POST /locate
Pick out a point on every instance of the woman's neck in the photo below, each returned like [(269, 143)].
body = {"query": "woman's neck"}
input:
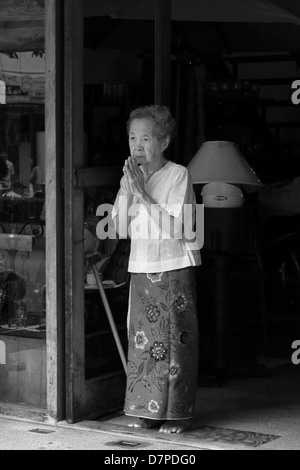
[(149, 170)]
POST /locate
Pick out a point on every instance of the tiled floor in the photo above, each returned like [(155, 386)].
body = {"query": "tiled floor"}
[(244, 414), (268, 408)]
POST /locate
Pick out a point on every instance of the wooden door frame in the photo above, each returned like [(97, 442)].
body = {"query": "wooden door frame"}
[(65, 149), (74, 205), (54, 227), (54, 210), (81, 402), (80, 393)]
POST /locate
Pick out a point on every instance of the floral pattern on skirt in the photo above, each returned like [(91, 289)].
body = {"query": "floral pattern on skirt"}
[(163, 345)]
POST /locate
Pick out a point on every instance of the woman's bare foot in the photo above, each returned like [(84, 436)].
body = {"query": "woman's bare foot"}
[(175, 427), (144, 423)]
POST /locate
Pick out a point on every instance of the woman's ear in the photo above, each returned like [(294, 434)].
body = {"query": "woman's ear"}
[(165, 143)]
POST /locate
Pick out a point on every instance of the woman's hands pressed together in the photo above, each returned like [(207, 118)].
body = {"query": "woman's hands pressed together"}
[(133, 180)]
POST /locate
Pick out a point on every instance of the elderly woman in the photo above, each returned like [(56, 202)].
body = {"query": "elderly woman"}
[(162, 314)]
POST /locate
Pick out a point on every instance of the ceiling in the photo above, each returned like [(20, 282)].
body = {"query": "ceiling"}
[(204, 10), (203, 27), (198, 38)]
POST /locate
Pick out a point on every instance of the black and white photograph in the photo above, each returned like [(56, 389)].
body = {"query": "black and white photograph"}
[(149, 227)]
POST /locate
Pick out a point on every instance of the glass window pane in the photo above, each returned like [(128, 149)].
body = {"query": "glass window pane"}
[(22, 229)]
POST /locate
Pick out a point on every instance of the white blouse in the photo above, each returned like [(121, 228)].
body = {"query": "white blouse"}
[(155, 249)]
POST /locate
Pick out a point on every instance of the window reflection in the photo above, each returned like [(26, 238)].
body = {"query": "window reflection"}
[(22, 210), (22, 203), (22, 272)]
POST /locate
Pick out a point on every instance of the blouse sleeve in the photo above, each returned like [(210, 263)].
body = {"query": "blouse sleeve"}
[(178, 194), (181, 192)]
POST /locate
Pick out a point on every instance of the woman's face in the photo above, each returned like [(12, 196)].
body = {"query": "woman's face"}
[(143, 144)]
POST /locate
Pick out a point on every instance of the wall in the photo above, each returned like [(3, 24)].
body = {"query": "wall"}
[(275, 80), (112, 66)]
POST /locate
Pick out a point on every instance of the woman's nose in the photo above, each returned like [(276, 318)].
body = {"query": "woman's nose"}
[(139, 146)]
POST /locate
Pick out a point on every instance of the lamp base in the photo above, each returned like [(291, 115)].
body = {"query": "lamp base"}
[(226, 230)]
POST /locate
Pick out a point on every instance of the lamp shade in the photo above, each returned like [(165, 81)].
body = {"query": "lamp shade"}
[(221, 161)]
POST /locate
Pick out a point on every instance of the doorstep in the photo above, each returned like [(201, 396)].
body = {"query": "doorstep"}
[(25, 413)]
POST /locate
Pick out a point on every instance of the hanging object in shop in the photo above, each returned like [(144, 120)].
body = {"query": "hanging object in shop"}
[(2, 353), (22, 88), (22, 25), (2, 92), (23, 76)]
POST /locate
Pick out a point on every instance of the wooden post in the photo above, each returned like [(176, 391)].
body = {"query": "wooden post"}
[(54, 211), (74, 208), (163, 33)]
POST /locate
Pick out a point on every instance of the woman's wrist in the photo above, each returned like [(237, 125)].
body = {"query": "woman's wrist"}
[(143, 197)]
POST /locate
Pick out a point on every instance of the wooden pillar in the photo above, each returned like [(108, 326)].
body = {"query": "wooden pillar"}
[(54, 210), (74, 206), (163, 33)]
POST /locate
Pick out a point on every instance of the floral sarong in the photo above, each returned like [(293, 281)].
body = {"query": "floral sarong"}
[(163, 345)]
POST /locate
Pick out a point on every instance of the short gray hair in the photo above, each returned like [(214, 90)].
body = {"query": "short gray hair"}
[(163, 122)]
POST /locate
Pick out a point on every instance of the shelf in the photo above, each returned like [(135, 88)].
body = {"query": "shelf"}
[(104, 332), (109, 284), (108, 104), (96, 176)]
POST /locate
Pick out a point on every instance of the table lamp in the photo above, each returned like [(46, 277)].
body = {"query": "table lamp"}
[(221, 167), (224, 172)]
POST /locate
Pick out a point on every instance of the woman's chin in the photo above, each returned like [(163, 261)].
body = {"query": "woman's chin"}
[(140, 160)]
